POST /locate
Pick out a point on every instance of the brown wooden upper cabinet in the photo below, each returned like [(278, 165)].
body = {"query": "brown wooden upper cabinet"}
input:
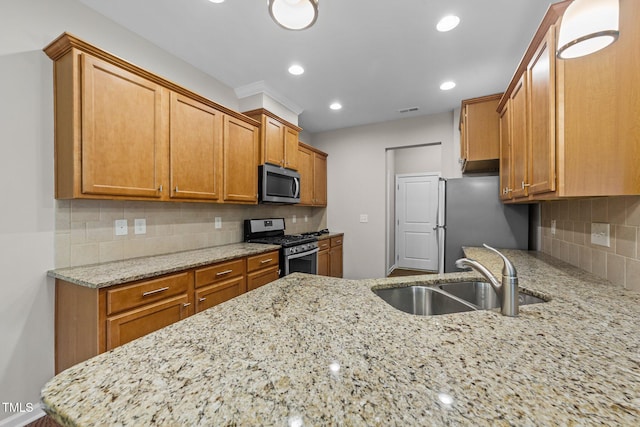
[(569, 128), (195, 149), (122, 132), (313, 176), (480, 134), (278, 139)]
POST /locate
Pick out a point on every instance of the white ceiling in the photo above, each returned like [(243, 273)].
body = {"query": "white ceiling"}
[(374, 56)]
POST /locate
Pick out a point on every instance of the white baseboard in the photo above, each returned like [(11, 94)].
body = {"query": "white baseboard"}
[(22, 419)]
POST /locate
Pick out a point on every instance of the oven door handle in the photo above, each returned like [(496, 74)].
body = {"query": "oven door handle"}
[(303, 254)]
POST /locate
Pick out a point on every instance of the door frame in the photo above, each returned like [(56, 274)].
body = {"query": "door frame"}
[(439, 217)]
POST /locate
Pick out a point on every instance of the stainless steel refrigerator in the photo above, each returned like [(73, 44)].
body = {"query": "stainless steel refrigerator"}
[(473, 215)]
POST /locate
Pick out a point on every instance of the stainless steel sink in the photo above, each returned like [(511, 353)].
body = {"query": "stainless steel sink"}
[(482, 295), (423, 300), (447, 298)]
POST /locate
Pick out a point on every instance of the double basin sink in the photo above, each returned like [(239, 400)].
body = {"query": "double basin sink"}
[(447, 298)]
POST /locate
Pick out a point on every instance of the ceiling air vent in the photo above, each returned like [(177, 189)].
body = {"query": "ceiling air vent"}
[(408, 110)]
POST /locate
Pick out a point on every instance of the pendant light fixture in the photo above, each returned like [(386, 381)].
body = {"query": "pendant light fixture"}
[(588, 26), (294, 14)]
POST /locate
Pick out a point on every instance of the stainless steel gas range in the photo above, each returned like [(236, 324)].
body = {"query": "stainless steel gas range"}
[(298, 253)]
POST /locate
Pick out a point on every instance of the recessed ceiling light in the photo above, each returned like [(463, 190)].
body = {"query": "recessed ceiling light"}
[(335, 106), (447, 85), (296, 70), (448, 23), (216, 1)]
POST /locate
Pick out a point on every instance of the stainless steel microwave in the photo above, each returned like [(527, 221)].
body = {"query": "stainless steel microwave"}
[(278, 185)]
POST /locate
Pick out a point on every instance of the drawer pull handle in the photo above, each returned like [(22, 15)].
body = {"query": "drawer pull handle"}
[(146, 294), (203, 299), (222, 273), (186, 304), (338, 242), (264, 261)]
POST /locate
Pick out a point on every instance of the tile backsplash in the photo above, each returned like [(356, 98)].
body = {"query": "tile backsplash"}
[(620, 262), (85, 229)]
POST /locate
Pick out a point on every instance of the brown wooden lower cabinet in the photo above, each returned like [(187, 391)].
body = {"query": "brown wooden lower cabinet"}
[(330, 260), (139, 322), (91, 321), (219, 292)]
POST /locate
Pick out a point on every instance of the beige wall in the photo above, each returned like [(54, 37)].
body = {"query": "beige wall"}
[(85, 229), (620, 263)]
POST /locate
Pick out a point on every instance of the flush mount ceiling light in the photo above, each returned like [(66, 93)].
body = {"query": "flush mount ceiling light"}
[(448, 23), (296, 70), (293, 14), (447, 85), (336, 106), (216, 1), (588, 26)]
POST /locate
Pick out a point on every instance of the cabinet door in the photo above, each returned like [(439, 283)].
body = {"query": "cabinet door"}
[(482, 131), (542, 115), (305, 168), (142, 321), (323, 262), (506, 172), (261, 278), (319, 180), (240, 161), (335, 261), (195, 149), (122, 131), (274, 133), (519, 138), (290, 148), (218, 293)]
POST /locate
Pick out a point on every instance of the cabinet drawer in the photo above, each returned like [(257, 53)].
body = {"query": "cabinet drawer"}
[(261, 278), (217, 272), (135, 295), (270, 259), (131, 325), (220, 292), (324, 244), (336, 241)]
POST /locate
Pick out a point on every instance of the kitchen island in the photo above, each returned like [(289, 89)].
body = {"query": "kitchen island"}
[(312, 350)]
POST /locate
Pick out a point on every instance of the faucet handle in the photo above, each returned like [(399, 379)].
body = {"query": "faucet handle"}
[(508, 269)]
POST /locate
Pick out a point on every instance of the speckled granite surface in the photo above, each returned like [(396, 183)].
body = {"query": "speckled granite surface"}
[(310, 350), (114, 273)]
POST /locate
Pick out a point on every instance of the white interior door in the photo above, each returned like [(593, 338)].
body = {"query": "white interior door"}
[(416, 221)]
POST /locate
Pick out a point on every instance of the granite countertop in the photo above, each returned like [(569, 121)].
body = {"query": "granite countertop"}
[(311, 350), (329, 235), (115, 273)]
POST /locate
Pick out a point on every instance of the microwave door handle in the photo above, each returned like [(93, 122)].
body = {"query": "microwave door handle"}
[(296, 182)]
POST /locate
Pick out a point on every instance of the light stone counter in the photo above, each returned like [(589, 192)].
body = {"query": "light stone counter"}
[(115, 273), (309, 350)]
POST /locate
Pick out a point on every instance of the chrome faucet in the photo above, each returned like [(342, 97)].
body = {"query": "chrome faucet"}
[(507, 291)]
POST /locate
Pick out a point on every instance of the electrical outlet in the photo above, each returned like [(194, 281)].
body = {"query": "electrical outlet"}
[(140, 226), (553, 227), (600, 234), (306, 218), (294, 219), (217, 221), (121, 227), (364, 218)]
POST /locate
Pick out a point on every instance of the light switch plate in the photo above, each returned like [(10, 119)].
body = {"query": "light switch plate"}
[(217, 221), (140, 226), (600, 234), (364, 218), (553, 227), (121, 227), (294, 219)]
